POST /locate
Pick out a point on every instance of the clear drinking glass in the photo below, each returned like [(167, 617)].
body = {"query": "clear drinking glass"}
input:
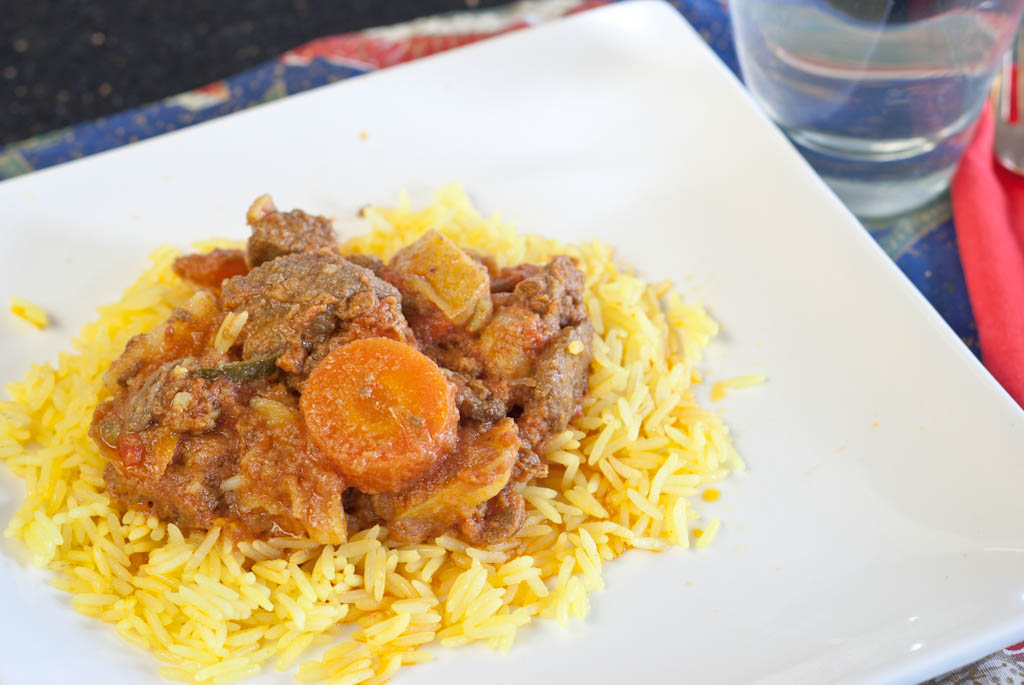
[(880, 96)]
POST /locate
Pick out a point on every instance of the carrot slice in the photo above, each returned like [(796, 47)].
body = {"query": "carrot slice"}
[(381, 411)]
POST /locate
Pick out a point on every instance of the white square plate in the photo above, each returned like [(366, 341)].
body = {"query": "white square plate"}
[(879, 533)]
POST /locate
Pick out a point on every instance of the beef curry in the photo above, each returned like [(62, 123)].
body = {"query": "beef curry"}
[(302, 392)]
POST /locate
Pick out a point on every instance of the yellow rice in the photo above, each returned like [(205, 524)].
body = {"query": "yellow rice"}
[(626, 474), (28, 311), (721, 388)]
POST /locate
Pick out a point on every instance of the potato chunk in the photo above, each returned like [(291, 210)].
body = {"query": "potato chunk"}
[(478, 470), (436, 269)]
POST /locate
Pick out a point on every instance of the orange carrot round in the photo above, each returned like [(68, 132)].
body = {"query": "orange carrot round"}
[(381, 411)]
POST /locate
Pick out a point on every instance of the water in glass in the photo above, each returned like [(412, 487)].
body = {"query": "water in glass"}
[(879, 95)]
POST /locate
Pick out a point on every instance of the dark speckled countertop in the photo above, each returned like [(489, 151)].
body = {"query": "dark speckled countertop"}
[(66, 61)]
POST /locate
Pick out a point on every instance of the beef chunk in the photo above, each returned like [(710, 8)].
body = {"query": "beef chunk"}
[(555, 291), (505, 280), (561, 382), (367, 261), (188, 493), (302, 306), (475, 399), (276, 233), (169, 394), (497, 519)]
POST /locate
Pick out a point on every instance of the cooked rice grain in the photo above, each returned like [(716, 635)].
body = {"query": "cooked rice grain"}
[(28, 311), (721, 388), (624, 475)]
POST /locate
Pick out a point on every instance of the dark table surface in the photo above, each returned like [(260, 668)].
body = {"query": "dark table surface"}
[(66, 61)]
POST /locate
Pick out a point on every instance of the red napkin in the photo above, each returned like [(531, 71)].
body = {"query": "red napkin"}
[(988, 211)]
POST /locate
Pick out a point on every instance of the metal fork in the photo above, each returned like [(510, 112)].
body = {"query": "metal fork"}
[(1009, 108)]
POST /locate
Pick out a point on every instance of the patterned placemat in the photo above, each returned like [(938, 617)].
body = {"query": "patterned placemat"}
[(923, 243)]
